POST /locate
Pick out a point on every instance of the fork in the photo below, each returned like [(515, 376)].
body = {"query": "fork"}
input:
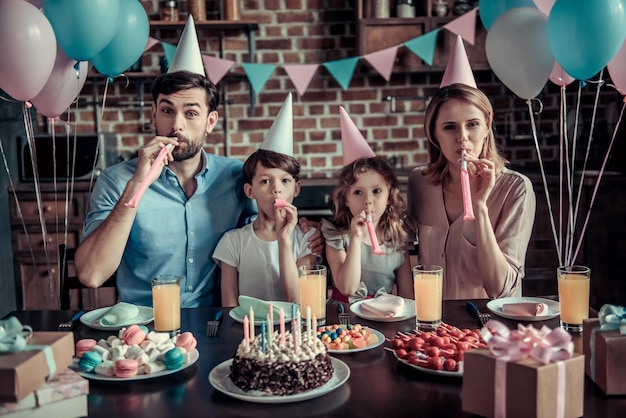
[(69, 325), (342, 315), (213, 326), (473, 309)]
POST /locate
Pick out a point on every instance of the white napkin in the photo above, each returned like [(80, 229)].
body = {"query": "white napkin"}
[(384, 306)]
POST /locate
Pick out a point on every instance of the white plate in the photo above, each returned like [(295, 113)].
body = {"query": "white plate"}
[(431, 371), (407, 313), (238, 316), (219, 378), (495, 306), (193, 357), (381, 339), (145, 316)]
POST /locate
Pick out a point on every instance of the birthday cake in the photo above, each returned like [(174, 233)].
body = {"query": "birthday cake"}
[(281, 368)]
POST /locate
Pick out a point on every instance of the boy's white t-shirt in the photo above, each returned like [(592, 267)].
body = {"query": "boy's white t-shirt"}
[(257, 260)]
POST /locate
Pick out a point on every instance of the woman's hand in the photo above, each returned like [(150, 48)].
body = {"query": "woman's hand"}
[(482, 179)]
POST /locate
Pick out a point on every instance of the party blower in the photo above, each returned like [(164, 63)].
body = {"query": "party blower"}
[(373, 237), (465, 188), (134, 201)]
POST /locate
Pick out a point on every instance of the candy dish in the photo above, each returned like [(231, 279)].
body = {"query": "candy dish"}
[(378, 334), (193, 357), (426, 370), (495, 306), (407, 313), (238, 314), (219, 378), (145, 316)]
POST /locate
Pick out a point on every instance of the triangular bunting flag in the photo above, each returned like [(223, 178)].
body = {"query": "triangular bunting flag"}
[(424, 46), (216, 68), (258, 74), (301, 75), (383, 61), (342, 70), (464, 25), (169, 51), (151, 42)]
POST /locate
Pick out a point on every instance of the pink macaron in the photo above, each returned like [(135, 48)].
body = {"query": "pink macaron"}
[(126, 368), (187, 341), (84, 345), (133, 335)]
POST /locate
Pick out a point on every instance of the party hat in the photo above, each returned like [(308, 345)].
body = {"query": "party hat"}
[(353, 144), (458, 69), (280, 136), (187, 56)]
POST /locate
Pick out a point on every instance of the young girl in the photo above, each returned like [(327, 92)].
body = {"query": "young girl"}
[(367, 186)]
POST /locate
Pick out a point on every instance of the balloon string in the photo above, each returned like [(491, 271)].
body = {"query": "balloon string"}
[(562, 140), (595, 188), (543, 173)]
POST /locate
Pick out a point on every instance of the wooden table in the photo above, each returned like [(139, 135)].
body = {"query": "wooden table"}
[(378, 385)]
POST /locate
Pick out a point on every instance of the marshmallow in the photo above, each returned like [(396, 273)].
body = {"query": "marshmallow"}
[(157, 366)]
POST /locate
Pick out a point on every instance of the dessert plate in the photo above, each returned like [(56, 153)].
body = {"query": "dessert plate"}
[(193, 357), (381, 339), (219, 378), (495, 306), (407, 313), (239, 313), (444, 373), (145, 316)]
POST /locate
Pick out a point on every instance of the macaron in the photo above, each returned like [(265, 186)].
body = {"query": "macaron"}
[(84, 345), (173, 358), (187, 341), (126, 368), (89, 361), (133, 335), (280, 203)]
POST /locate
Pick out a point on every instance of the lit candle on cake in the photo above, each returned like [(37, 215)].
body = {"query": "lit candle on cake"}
[(270, 312), (282, 326), (308, 320), (263, 337), (269, 331), (251, 324), (295, 336), (246, 330)]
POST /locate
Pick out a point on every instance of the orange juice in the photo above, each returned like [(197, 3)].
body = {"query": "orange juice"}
[(166, 305), (573, 297), (428, 288), (312, 283)]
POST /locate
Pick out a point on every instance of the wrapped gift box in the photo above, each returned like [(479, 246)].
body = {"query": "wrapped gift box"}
[(531, 386), (24, 371), (64, 385), (608, 355)]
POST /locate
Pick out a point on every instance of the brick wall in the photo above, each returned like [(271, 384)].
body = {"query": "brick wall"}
[(313, 32)]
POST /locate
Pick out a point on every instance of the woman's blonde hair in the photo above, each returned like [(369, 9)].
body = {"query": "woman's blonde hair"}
[(392, 221), (437, 163)]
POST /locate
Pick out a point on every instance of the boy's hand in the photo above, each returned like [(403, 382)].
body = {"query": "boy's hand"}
[(316, 241)]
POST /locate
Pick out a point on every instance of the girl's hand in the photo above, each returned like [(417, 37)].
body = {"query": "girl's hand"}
[(482, 178), (286, 220), (358, 226)]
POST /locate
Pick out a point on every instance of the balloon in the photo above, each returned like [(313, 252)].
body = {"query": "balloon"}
[(617, 69), (62, 87), (517, 51), (83, 27), (490, 10), (560, 77), (37, 3), (129, 41), (27, 49), (585, 34)]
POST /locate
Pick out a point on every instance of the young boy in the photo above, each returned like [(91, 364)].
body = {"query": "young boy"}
[(260, 260)]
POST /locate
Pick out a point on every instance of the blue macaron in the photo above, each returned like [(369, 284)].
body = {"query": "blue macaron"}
[(89, 361), (173, 359)]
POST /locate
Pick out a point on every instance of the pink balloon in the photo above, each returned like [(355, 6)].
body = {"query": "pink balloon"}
[(62, 87), (559, 77), (37, 3), (617, 69), (27, 49)]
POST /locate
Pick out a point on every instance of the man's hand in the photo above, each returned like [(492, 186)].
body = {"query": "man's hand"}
[(316, 241)]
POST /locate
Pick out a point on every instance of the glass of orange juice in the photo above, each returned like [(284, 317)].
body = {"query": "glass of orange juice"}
[(574, 283), (166, 303), (428, 287), (312, 283)]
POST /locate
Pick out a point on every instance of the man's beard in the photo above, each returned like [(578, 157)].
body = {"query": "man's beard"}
[(191, 150)]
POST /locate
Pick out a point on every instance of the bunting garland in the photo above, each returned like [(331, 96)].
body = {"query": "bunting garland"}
[(341, 70)]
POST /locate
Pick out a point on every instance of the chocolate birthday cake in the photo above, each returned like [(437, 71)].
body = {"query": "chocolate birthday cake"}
[(280, 369)]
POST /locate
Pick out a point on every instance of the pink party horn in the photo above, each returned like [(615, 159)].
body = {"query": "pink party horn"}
[(468, 210), (156, 165), (373, 237)]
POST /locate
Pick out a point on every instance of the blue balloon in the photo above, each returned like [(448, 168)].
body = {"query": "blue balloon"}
[(490, 10), (584, 35), (83, 27), (128, 42)]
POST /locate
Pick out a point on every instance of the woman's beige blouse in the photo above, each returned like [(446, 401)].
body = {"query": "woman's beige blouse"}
[(511, 208)]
